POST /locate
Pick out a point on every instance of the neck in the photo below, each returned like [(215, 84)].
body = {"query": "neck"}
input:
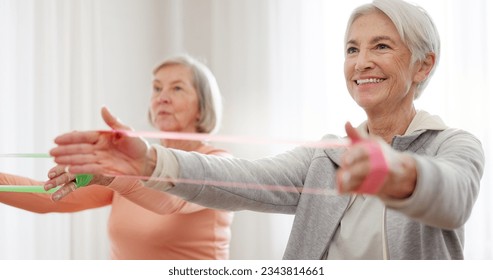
[(390, 124)]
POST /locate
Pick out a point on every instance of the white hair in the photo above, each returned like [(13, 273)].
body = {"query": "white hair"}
[(415, 27)]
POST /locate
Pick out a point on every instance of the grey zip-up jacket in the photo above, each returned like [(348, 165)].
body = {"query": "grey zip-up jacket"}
[(428, 225)]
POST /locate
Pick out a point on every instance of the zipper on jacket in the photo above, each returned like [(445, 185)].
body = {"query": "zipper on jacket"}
[(385, 249)]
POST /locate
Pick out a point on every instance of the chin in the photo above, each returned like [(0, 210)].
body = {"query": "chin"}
[(166, 128)]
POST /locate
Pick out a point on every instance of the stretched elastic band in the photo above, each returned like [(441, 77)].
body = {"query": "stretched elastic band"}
[(378, 169)]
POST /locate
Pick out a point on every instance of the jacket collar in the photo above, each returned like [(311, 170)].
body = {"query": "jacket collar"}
[(422, 122)]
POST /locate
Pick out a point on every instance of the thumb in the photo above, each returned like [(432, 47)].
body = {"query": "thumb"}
[(352, 133), (112, 121)]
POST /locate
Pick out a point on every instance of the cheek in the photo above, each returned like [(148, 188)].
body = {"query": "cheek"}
[(348, 73), (152, 109), (348, 69), (402, 66)]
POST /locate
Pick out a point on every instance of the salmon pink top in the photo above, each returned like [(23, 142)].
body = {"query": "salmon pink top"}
[(143, 223)]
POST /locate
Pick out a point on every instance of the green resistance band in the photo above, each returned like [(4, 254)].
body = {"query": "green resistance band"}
[(81, 180)]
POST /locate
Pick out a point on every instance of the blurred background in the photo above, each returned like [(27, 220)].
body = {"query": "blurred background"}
[(279, 64)]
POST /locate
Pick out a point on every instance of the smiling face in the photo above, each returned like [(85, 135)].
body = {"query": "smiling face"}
[(174, 101), (377, 67)]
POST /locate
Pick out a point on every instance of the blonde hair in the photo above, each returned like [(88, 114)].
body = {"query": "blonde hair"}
[(205, 84)]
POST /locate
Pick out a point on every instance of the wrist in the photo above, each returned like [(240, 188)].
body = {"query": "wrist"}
[(405, 178), (101, 180), (150, 161)]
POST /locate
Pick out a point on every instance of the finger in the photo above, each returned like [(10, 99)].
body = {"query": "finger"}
[(342, 179), (63, 191), (59, 180), (112, 121), (354, 154), (352, 133), (56, 171), (350, 179), (77, 137), (377, 169), (93, 168), (72, 149), (78, 159)]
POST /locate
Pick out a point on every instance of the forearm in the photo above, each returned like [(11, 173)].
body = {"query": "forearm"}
[(447, 186), (269, 185), (154, 200), (42, 203)]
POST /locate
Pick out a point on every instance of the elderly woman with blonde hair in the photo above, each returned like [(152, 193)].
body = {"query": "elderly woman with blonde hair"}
[(146, 223)]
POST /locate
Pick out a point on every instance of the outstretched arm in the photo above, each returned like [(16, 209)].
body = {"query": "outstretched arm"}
[(42, 203), (105, 153), (115, 154)]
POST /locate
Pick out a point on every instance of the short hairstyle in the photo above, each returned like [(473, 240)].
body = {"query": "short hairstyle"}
[(415, 27), (205, 84)]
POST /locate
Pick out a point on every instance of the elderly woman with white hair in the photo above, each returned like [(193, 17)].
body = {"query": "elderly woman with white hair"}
[(407, 182), (145, 223)]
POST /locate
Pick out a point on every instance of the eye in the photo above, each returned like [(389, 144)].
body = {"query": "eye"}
[(177, 88), (351, 50), (382, 47), (157, 89)]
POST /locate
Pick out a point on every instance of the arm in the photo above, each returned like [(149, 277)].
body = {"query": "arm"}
[(153, 200), (447, 183), (117, 153), (158, 201), (269, 185), (87, 198)]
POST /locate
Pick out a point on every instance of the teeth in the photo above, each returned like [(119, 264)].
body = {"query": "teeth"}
[(369, 81)]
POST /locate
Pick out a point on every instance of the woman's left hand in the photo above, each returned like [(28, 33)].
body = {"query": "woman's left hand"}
[(67, 182), (58, 177)]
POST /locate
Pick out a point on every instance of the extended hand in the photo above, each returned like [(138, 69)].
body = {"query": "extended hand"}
[(67, 182), (371, 166), (103, 152)]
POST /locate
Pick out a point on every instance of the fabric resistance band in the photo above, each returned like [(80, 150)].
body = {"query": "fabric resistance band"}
[(84, 179)]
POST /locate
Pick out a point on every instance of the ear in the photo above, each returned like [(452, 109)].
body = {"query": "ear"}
[(425, 67)]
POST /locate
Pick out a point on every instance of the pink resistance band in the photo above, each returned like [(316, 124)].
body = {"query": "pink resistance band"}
[(378, 169), (371, 185)]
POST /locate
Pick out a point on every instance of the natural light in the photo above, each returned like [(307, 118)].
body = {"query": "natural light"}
[(279, 67)]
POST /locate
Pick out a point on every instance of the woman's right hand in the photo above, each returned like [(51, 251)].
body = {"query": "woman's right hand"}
[(105, 152)]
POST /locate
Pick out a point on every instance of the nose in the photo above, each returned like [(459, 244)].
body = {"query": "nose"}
[(364, 61), (163, 96)]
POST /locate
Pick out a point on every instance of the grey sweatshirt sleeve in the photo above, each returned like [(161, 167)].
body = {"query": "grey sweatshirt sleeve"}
[(270, 184), (448, 182)]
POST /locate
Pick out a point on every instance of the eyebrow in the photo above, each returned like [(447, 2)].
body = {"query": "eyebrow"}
[(374, 40), (382, 38), (172, 82)]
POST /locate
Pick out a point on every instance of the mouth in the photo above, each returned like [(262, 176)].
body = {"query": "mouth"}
[(163, 113), (368, 81)]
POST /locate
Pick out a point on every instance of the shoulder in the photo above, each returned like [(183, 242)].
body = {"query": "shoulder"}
[(454, 134), (453, 142)]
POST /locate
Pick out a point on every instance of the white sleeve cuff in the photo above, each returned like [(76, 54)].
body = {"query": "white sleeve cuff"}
[(166, 170)]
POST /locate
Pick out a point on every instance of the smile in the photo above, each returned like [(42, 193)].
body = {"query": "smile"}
[(369, 81)]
